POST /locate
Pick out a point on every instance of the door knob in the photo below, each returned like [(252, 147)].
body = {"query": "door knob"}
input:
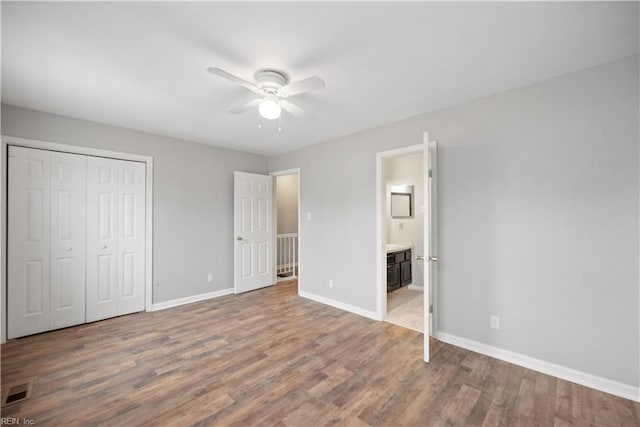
[(433, 258), (238, 238), (69, 249), (104, 247)]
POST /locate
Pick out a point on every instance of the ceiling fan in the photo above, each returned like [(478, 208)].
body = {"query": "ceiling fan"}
[(274, 89)]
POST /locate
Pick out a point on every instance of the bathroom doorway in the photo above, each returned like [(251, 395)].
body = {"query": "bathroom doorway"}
[(404, 221), (286, 215), (406, 237)]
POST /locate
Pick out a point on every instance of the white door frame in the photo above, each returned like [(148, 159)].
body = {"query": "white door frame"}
[(431, 160), (76, 149), (3, 289), (275, 222), (381, 232)]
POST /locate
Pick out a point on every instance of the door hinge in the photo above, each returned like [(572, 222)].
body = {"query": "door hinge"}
[(431, 309), (430, 173)]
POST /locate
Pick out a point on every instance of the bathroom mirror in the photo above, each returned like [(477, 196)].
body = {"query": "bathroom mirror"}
[(402, 201)]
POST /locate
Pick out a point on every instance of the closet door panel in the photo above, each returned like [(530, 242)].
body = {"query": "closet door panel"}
[(102, 238), (131, 247), (76, 239), (68, 239), (28, 242)]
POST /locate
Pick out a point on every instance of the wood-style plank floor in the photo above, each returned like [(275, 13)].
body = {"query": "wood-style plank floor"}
[(270, 357)]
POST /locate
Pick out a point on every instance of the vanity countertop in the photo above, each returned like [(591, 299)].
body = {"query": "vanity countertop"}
[(395, 247)]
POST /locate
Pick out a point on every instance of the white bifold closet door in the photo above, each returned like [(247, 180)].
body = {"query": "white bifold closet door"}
[(115, 237), (76, 239), (46, 256)]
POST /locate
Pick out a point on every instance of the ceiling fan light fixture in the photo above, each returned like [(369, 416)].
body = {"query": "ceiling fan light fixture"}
[(269, 109), (274, 90)]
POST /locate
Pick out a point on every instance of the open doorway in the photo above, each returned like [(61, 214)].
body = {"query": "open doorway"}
[(406, 237), (404, 221), (286, 206)]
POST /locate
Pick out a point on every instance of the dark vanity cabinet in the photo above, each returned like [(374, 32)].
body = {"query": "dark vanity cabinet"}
[(405, 271), (398, 269), (393, 278)]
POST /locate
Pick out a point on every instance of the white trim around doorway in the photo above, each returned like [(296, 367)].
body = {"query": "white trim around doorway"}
[(293, 171)]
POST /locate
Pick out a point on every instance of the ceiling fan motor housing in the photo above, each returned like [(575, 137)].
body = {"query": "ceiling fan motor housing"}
[(271, 80)]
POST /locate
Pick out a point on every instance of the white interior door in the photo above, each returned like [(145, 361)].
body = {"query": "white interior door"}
[(102, 241), (115, 237), (68, 239), (253, 226), (131, 238), (28, 242)]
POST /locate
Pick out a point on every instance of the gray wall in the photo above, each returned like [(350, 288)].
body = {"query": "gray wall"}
[(287, 203), (193, 196), (538, 213)]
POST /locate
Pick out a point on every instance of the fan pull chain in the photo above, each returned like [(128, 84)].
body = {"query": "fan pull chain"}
[(259, 124), (280, 123)]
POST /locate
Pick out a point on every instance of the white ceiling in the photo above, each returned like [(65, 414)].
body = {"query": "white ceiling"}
[(143, 65)]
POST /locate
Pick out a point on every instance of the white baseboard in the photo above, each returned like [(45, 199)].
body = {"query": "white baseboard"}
[(191, 299), (588, 380), (416, 288), (337, 304)]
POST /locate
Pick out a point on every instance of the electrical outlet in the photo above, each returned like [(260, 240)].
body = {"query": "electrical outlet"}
[(495, 322), (401, 225), (331, 283), (210, 277), (308, 216)]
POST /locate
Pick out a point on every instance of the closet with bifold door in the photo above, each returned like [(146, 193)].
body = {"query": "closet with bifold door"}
[(76, 239)]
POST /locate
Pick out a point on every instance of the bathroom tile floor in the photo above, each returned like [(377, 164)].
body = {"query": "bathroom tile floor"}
[(405, 308)]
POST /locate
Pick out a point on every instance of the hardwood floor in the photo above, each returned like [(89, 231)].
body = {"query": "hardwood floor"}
[(270, 357)]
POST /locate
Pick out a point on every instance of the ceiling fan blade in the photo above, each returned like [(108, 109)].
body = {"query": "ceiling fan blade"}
[(303, 86), (246, 106), (231, 77), (294, 110)]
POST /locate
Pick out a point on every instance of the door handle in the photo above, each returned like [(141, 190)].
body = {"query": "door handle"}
[(104, 247), (419, 257), (433, 258), (238, 238), (69, 249)]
